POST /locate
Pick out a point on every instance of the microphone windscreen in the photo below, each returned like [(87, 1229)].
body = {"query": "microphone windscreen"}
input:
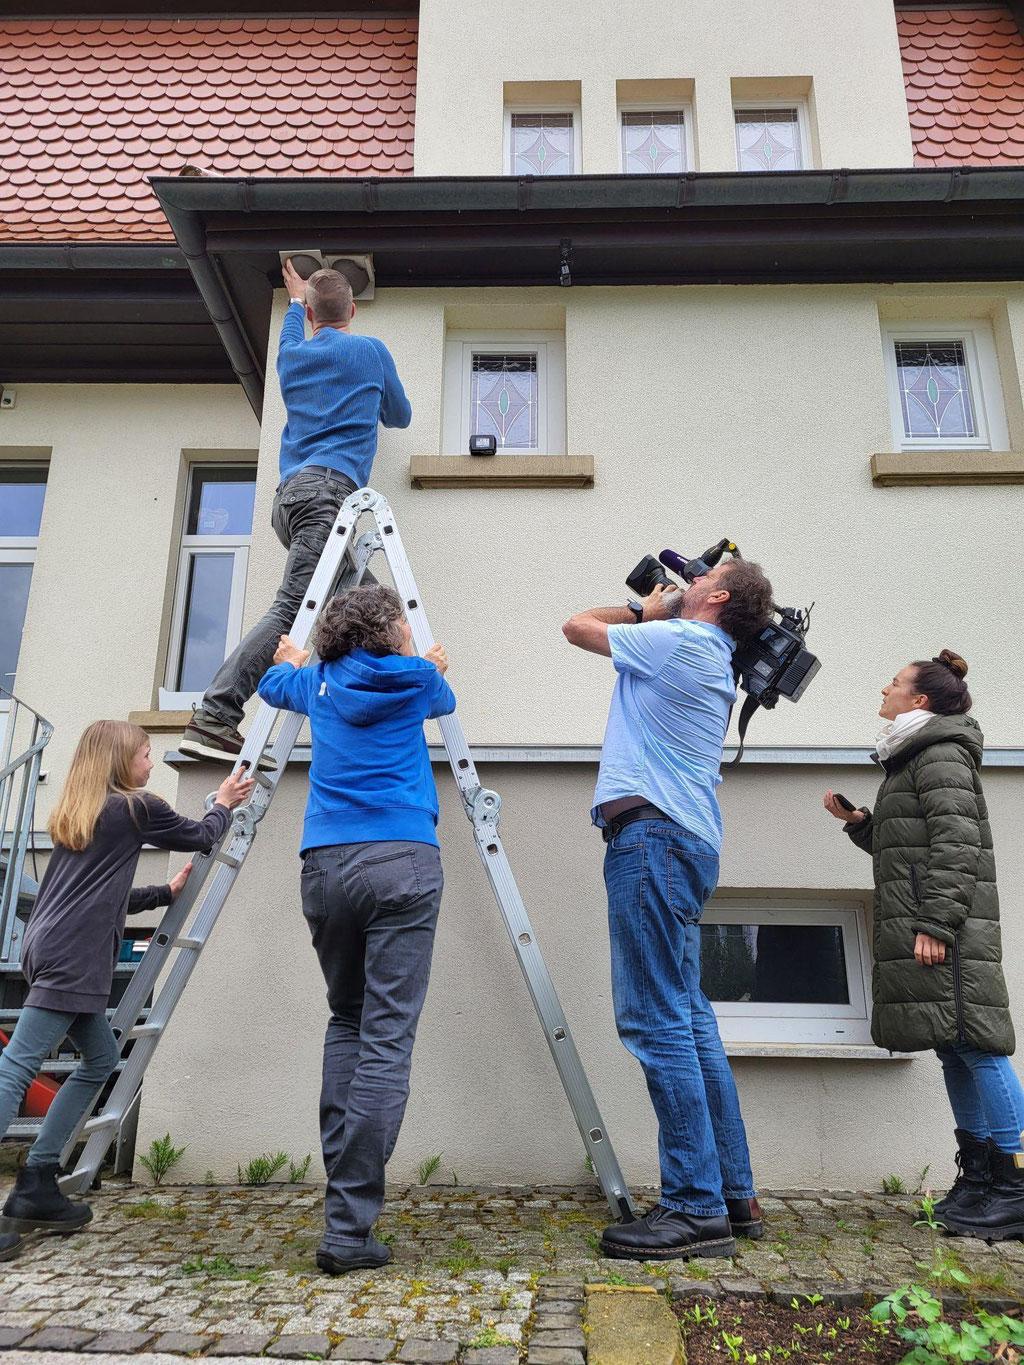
[(676, 562)]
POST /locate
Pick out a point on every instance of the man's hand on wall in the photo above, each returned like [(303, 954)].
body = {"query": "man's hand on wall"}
[(293, 281)]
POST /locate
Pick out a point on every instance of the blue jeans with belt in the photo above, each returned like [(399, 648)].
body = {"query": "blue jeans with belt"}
[(659, 878), (984, 1093)]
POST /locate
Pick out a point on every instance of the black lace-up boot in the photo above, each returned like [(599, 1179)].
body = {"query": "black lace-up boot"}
[(998, 1216), (973, 1174), (36, 1202)]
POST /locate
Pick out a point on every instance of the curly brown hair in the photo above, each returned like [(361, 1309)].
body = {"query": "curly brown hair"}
[(362, 618), (749, 607)]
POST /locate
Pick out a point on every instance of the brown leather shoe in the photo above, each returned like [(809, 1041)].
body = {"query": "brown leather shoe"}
[(745, 1218)]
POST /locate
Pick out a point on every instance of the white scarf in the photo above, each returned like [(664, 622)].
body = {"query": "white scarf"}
[(892, 737)]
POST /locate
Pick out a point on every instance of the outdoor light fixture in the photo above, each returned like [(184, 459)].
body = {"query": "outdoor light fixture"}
[(564, 269), (483, 445), (358, 270)]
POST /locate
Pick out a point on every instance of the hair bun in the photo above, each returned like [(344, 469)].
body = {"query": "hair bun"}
[(953, 662)]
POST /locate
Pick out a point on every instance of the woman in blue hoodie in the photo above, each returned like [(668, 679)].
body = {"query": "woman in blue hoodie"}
[(371, 884)]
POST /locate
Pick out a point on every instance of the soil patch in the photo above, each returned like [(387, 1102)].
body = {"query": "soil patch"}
[(737, 1332)]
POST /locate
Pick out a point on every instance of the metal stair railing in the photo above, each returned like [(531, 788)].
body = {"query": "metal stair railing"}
[(24, 737)]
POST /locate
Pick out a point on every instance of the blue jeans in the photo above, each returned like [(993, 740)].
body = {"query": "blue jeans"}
[(36, 1034), (984, 1093), (372, 910), (658, 879)]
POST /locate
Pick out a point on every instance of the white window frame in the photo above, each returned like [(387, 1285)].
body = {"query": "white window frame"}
[(169, 699), (803, 119), (18, 550), (983, 380), (460, 347), (684, 107), (780, 1022), (554, 107)]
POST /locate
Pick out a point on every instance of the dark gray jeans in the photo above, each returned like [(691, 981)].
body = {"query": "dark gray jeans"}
[(305, 509), (372, 910)]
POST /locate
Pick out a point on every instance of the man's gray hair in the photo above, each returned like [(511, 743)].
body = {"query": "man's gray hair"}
[(329, 296)]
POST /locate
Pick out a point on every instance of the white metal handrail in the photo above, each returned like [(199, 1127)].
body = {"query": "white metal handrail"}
[(25, 736)]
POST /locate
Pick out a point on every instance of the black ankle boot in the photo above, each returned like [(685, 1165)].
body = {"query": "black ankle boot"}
[(998, 1216), (663, 1234), (36, 1202), (10, 1245), (973, 1174), (745, 1218)]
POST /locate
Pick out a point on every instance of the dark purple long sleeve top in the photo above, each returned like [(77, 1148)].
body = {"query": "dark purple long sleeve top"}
[(75, 929)]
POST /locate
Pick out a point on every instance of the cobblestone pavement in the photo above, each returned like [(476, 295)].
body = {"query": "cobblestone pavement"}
[(485, 1277)]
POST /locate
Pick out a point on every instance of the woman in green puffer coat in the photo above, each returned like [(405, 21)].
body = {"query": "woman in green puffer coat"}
[(938, 980)]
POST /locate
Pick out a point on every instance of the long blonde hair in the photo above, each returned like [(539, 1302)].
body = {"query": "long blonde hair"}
[(102, 764)]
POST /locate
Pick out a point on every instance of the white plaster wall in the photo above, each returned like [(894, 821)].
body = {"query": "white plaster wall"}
[(749, 412), (109, 539), (467, 52), (238, 1072)]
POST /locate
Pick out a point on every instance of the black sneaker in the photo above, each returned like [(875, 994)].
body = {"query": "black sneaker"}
[(340, 1260), (10, 1245), (204, 737), (664, 1235)]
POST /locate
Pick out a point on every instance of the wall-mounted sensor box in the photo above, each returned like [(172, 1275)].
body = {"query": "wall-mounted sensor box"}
[(358, 270)]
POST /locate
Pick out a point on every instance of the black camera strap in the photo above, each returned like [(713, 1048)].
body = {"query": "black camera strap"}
[(750, 705)]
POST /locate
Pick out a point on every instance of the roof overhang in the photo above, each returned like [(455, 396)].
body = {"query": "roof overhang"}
[(104, 313)]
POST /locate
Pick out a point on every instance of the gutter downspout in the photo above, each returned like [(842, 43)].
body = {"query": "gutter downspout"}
[(191, 238)]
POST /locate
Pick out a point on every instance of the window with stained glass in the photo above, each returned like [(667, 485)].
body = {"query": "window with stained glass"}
[(504, 395), (653, 141), (935, 390), (542, 144), (769, 139)]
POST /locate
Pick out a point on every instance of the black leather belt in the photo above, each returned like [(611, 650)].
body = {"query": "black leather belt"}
[(627, 817)]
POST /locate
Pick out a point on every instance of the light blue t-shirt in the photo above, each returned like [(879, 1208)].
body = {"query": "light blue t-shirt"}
[(667, 723)]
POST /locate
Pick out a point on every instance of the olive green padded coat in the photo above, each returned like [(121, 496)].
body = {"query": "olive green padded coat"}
[(935, 873)]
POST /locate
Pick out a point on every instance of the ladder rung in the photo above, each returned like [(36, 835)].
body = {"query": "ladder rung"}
[(196, 943), (143, 1031), (262, 778), (100, 1122), (228, 859)]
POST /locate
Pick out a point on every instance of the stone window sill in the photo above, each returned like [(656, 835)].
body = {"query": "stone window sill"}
[(160, 722), (847, 1052), (501, 471), (923, 467)]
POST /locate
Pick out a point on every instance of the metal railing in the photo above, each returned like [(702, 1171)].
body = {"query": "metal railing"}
[(24, 734)]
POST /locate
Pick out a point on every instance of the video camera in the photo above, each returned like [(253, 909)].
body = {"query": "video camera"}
[(774, 663)]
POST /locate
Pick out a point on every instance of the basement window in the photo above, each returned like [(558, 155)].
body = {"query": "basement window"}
[(787, 971), (206, 619), (944, 387)]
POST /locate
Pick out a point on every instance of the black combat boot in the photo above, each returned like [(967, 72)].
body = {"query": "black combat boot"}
[(998, 1216), (10, 1245), (663, 1234), (36, 1202), (745, 1218), (973, 1174)]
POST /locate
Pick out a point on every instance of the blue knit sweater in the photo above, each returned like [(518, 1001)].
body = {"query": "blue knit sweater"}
[(336, 388)]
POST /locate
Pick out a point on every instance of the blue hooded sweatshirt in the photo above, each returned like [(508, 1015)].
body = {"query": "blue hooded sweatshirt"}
[(370, 777)]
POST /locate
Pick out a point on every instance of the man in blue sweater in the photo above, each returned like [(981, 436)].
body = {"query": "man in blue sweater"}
[(337, 388)]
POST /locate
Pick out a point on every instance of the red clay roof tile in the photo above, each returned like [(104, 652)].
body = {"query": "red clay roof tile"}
[(90, 107), (964, 76)]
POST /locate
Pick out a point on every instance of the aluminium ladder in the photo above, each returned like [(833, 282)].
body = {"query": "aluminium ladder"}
[(341, 566)]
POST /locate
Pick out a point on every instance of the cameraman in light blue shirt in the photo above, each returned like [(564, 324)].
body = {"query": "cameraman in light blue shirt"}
[(657, 808)]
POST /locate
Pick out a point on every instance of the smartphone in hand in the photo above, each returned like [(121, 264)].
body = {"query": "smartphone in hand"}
[(846, 805)]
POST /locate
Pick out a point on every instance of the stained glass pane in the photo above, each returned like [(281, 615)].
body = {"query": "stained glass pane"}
[(542, 144), (221, 500), (797, 964), (935, 391), (768, 140), (207, 601), (654, 142), (504, 395), (22, 489)]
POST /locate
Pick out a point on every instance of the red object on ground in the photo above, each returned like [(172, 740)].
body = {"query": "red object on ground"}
[(40, 1092), (90, 107), (964, 74)]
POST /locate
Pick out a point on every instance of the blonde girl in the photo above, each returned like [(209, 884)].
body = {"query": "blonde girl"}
[(99, 825)]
